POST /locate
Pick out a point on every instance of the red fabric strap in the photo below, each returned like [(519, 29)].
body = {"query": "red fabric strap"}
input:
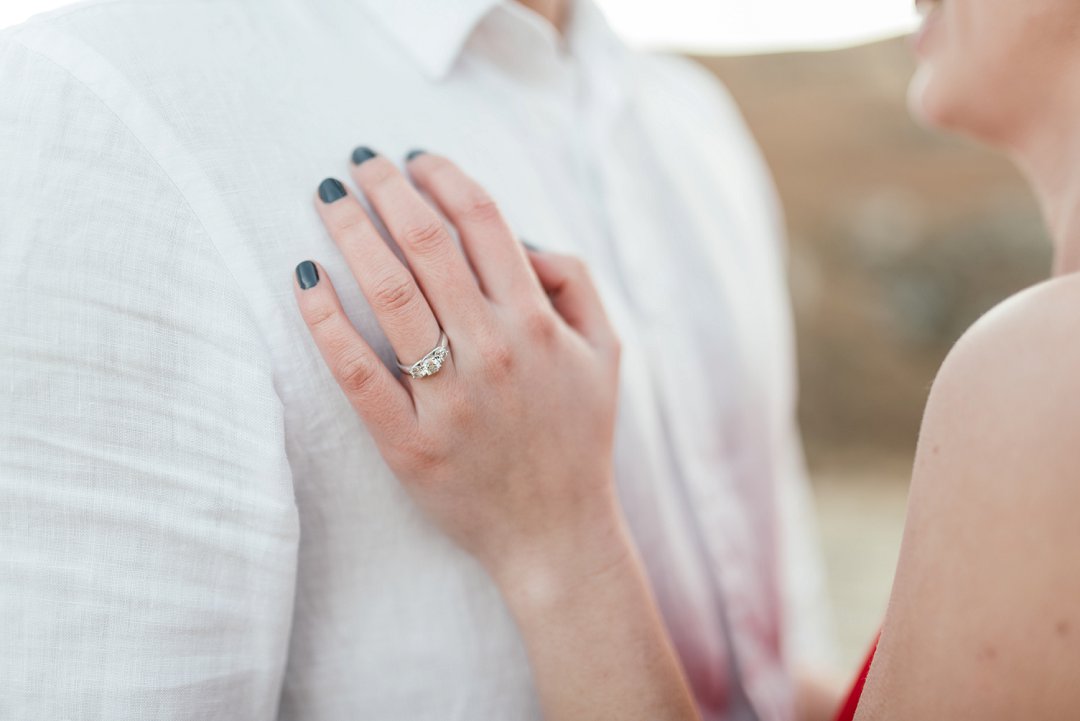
[(847, 711)]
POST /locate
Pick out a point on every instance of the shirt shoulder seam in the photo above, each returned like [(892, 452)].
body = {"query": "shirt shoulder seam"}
[(101, 101), (15, 38)]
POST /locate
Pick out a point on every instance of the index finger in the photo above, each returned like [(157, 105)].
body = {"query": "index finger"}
[(377, 397)]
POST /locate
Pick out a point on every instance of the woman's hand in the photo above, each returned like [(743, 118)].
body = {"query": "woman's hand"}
[(508, 447)]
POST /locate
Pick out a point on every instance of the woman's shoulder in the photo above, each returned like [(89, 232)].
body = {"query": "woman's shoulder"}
[(982, 622), (1050, 306), (1015, 373)]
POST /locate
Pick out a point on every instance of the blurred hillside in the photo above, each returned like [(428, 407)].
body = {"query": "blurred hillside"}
[(900, 238)]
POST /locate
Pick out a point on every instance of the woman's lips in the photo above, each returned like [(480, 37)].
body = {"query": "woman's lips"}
[(930, 10), (926, 7)]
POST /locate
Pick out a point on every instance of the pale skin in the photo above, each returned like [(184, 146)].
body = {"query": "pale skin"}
[(508, 447)]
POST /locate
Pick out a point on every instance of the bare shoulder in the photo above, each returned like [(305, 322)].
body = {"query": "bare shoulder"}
[(984, 619), (1015, 372)]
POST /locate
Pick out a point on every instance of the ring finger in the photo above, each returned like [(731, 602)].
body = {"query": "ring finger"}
[(390, 289)]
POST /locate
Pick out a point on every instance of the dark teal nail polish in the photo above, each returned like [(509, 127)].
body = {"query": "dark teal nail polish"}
[(530, 246), (307, 274), (362, 153), (413, 154), (330, 190)]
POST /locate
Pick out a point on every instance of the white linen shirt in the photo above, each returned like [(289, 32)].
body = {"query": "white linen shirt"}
[(194, 523)]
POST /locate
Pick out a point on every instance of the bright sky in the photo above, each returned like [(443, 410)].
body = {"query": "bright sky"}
[(757, 25), (726, 26)]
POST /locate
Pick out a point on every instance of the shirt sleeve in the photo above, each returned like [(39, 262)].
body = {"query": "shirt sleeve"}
[(148, 528)]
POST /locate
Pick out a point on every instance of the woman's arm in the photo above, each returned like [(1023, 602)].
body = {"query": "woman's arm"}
[(984, 620), (508, 447), (596, 642)]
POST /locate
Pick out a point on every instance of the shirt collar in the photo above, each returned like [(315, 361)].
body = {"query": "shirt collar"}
[(435, 32)]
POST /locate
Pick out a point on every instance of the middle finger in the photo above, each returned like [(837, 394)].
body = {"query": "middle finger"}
[(437, 262)]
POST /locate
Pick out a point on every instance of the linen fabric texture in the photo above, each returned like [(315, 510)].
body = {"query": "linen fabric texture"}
[(195, 524)]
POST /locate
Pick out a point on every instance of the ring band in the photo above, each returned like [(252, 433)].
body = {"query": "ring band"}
[(432, 362)]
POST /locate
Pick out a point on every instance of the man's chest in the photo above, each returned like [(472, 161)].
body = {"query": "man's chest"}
[(677, 262)]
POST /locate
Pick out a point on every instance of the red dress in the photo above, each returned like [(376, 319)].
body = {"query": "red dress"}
[(847, 712)]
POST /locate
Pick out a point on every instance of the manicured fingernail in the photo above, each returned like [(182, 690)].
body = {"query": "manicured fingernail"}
[(330, 190), (530, 246), (362, 153), (307, 274), (413, 154)]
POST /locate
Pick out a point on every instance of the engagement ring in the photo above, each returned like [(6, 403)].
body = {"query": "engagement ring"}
[(431, 363)]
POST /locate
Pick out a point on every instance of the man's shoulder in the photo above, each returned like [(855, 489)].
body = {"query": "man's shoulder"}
[(84, 37), (683, 93), (38, 22), (686, 82), (86, 54), (179, 43), (88, 18), (690, 104)]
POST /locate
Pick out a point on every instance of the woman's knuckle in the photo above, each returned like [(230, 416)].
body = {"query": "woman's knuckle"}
[(355, 371), (577, 267), (616, 350), (480, 208), (539, 325), (425, 236), (321, 317), (499, 358), (425, 452), (394, 294), (489, 340)]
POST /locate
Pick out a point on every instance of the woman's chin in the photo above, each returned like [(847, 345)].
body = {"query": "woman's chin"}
[(930, 104), (935, 104)]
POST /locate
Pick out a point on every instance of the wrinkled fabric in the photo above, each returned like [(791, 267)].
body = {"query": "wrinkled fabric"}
[(194, 523)]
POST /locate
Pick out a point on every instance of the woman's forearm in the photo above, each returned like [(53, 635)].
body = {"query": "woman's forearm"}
[(595, 639)]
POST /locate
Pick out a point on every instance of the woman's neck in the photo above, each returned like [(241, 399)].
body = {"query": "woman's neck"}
[(1049, 154)]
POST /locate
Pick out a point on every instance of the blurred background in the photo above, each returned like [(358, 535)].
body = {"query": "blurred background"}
[(899, 239)]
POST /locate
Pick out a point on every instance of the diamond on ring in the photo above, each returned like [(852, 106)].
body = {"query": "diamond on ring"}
[(431, 363)]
